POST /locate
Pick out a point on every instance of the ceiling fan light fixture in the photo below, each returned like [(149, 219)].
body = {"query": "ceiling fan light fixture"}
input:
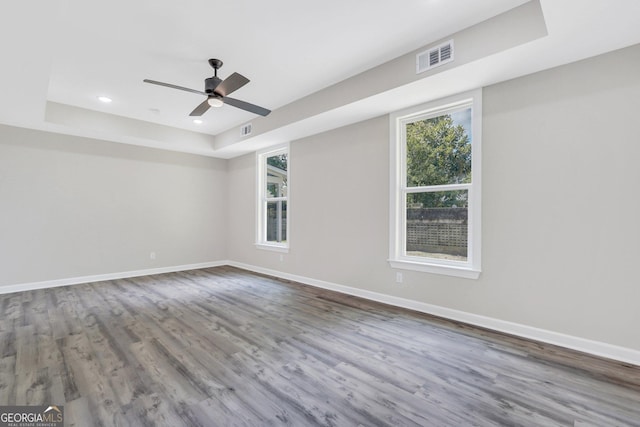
[(215, 102), (217, 92)]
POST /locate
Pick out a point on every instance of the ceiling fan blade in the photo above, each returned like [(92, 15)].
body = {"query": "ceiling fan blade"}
[(246, 106), (232, 83), (186, 89), (201, 109)]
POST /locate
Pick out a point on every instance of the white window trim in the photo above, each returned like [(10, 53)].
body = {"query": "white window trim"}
[(261, 216), (472, 267)]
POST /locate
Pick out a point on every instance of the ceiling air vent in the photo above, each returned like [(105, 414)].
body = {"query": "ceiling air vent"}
[(434, 57), (245, 129)]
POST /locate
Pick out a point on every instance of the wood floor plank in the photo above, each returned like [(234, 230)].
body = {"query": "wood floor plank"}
[(92, 381), (212, 412), (169, 378), (281, 394), (8, 381), (7, 343), (155, 410), (406, 406), (224, 347), (78, 414), (309, 376)]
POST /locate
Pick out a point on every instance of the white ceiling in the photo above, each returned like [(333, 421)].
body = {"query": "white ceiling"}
[(72, 51)]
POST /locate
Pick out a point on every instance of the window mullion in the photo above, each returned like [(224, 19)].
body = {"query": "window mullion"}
[(433, 188)]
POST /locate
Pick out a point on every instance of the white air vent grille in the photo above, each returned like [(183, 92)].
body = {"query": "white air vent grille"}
[(434, 57), (245, 129)]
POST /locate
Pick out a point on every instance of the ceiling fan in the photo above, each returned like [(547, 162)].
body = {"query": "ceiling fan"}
[(216, 91)]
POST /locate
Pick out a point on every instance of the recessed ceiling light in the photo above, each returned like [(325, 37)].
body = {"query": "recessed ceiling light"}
[(197, 121), (104, 99)]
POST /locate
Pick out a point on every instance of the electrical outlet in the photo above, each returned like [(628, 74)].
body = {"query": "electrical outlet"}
[(281, 258), (398, 277), (152, 255)]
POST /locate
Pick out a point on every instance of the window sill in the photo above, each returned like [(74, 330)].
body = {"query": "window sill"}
[(274, 248), (447, 270)]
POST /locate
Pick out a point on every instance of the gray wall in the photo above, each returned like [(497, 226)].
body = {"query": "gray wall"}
[(73, 207), (560, 206)]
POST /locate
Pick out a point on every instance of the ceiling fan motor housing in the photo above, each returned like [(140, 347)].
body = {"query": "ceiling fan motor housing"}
[(211, 84)]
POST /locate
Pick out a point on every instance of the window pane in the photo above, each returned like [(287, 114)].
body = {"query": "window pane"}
[(437, 225), (277, 221), (276, 175), (439, 150)]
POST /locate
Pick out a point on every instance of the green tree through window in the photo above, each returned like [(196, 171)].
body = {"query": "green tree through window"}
[(279, 161), (438, 153)]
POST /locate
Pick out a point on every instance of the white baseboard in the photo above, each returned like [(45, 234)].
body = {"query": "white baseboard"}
[(595, 348), (101, 277)]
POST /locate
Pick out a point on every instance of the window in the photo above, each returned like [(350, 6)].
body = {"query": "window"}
[(435, 187), (273, 191)]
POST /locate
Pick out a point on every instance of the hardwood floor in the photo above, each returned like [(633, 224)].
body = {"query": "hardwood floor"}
[(224, 347)]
